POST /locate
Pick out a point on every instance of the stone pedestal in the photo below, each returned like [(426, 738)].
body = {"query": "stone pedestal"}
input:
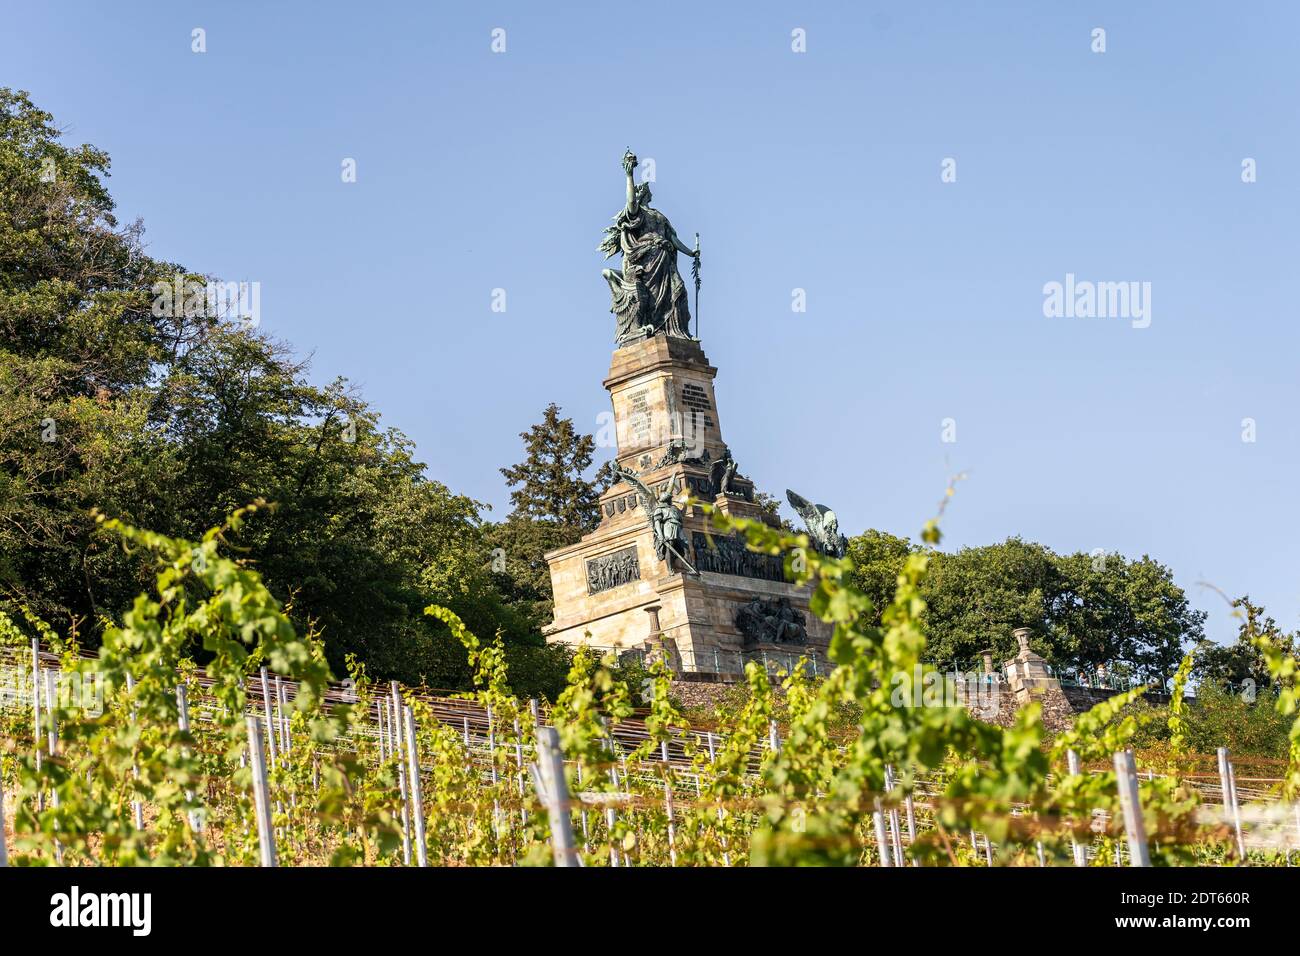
[(1027, 673), (669, 432)]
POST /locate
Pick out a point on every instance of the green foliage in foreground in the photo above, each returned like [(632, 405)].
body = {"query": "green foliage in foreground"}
[(813, 801)]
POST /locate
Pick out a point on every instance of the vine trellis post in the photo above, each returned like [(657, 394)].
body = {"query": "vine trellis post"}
[(183, 725), (882, 839), (137, 808), (4, 845), (1231, 808), (553, 789), (395, 721), (261, 792), (1131, 804), (417, 793), (1076, 849)]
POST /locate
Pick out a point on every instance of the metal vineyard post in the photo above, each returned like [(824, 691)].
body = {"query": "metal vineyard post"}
[(395, 721), (183, 723), (261, 793), (554, 791), (4, 848), (1131, 804), (417, 794), (882, 840), (668, 804), (266, 709), (1076, 849)]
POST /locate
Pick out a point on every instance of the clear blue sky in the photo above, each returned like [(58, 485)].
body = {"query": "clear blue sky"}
[(818, 171)]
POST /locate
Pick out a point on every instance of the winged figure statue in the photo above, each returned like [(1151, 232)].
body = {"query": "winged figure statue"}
[(823, 526), (665, 519)]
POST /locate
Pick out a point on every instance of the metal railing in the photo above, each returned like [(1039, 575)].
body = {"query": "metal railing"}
[(717, 660), (1075, 676)]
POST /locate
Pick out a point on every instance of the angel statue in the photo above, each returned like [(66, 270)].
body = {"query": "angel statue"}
[(648, 296), (823, 526), (665, 519)]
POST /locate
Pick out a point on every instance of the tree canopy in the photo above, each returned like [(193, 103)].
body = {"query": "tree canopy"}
[(1084, 609), (555, 504), (1241, 662), (172, 418)]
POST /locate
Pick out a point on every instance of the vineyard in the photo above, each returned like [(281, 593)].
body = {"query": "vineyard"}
[(138, 755)]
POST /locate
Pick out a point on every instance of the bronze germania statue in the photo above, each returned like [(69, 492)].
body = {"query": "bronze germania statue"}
[(648, 296)]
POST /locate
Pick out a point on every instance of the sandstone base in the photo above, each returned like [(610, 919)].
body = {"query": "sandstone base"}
[(669, 433)]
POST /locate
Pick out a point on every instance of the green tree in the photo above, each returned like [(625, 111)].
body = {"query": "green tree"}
[(79, 346), (1121, 612), (550, 483), (1244, 723), (771, 506), (1084, 609), (173, 418), (878, 559), (1233, 664), (555, 504), (520, 572), (976, 597)]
